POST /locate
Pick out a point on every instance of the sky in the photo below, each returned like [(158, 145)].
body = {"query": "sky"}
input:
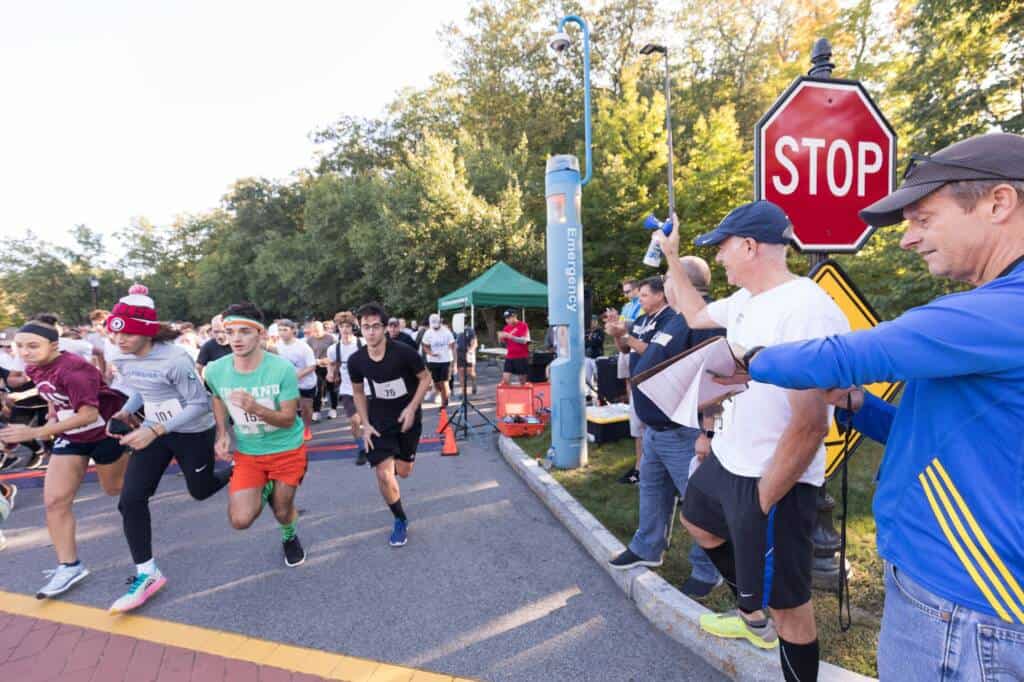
[(117, 109)]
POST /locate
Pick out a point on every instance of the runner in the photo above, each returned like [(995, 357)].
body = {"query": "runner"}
[(439, 345), (304, 361), (391, 419), (179, 424), (339, 354), (82, 404), (319, 340), (214, 348), (22, 405), (261, 392)]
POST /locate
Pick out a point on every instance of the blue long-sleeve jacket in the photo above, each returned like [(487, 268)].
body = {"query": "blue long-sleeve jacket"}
[(949, 507)]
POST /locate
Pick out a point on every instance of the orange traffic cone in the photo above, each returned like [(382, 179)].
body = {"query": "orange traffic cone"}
[(449, 447), (442, 423)]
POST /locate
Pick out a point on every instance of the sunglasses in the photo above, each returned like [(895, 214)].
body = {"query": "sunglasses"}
[(917, 160)]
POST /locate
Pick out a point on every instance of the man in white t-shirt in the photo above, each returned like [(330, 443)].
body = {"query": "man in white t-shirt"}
[(752, 503), (301, 356), (337, 372), (439, 347)]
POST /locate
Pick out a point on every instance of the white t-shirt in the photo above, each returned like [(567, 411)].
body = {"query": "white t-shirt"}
[(438, 343), (753, 421), (11, 362), (76, 346), (344, 351), (301, 356)]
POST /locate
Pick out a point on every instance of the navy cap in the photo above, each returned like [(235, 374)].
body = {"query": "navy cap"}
[(761, 220)]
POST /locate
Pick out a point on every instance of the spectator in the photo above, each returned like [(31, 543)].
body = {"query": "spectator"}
[(439, 347), (465, 355), (628, 314), (216, 347), (326, 391), (594, 348), (395, 333), (516, 337), (948, 505)]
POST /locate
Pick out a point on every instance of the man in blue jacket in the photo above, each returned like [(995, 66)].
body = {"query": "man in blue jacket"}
[(949, 507)]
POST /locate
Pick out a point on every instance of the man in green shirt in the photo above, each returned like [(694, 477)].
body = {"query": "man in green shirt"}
[(260, 392)]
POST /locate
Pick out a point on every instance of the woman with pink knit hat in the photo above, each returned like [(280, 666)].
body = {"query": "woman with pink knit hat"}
[(160, 377)]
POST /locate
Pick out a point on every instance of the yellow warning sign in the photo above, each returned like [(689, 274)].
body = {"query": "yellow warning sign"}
[(830, 277)]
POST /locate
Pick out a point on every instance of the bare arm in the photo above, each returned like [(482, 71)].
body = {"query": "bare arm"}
[(797, 446), (684, 299), (85, 415)]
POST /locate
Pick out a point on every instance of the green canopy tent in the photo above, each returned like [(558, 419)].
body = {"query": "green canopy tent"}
[(501, 286)]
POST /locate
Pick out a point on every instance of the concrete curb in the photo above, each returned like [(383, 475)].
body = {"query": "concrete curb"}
[(663, 605)]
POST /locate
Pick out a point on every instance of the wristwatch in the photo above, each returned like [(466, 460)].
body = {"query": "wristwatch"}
[(709, 434), (749, 356)]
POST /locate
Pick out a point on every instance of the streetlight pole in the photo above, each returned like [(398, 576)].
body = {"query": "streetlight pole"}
[(94, 284), (648, 49), (563, 190)]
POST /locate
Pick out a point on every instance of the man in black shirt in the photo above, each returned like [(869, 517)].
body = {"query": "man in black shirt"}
[(396, 334), (390, 417), (216, 347)]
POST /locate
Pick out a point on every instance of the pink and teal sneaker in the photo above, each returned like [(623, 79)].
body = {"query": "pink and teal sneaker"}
[(144, 586)]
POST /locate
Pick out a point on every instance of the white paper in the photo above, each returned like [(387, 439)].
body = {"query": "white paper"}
[(682, 388)]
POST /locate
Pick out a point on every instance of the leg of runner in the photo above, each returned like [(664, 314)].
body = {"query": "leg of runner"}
[(282, 501), (63, 478), (392, 495), (306, 398)]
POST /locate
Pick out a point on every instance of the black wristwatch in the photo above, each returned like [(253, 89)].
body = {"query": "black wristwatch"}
[(749, 356)]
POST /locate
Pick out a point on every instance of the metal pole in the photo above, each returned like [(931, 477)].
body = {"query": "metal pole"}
[(668, 134)]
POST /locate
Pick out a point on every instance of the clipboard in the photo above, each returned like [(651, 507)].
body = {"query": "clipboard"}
[(684, 384)]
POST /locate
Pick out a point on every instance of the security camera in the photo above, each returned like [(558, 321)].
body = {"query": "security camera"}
[(559, 42)]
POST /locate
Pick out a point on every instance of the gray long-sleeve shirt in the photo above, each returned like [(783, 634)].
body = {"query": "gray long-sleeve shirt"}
[(165, 381)]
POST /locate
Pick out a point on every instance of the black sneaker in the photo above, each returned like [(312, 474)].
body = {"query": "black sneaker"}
[(361, 458), (293, 552), (629, 560), (8, 460), (631, 477), (698, 589)]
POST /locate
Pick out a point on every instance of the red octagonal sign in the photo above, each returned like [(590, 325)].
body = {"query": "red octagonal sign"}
[(823, 152)]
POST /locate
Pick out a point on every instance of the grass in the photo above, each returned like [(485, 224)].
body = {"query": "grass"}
[(615, 505)]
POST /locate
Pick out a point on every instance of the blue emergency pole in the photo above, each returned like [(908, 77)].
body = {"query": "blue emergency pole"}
[(563, 189)]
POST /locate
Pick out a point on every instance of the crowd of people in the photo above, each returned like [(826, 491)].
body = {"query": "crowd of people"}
[(948, 505)]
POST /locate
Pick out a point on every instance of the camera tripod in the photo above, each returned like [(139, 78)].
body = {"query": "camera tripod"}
[(459, 416)]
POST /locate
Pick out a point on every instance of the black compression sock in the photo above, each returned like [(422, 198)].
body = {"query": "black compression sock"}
[(396, 509), (72, 564), (799, 661), (724, 560)]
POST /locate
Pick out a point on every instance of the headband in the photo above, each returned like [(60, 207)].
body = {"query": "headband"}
[(241, 320), (42, 329)]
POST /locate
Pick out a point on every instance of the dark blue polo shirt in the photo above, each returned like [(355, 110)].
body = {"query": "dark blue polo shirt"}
[(670, 336)]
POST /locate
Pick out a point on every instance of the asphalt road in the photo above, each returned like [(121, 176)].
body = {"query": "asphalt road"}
[(489, 586)]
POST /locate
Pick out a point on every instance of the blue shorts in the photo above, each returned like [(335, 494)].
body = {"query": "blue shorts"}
[(106, 451)]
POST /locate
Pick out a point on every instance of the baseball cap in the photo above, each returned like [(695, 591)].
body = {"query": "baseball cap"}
[(761, 221), (995, 156), (509, 313)]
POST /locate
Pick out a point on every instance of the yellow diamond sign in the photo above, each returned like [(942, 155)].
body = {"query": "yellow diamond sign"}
[(837, 284)]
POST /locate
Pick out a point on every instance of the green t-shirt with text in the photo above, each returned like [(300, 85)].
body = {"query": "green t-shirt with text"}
[(271, 383)]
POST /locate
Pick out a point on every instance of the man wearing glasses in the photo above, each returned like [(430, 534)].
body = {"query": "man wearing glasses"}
[(949, 502)]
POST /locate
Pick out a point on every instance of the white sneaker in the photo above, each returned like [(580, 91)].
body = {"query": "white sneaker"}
[(332, 413), (316, 417), (61, 580), (3, 540)]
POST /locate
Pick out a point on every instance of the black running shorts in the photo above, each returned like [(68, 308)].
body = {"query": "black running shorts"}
[(396, 444), (307, 393), (519, 366), (106, 451), (774, 551), (439, 370)]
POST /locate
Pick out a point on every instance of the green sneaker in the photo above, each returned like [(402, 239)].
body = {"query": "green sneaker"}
[(265, 494), (760, 633)]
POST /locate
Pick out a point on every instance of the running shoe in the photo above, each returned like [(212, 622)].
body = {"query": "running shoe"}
[(316, 416), (361, 458), (308, 433), (399, 536), (628, 560), (12, 492), (37, 460), (142, 587), (3, 541), (332, 413), (61, 580), (732, 625), (294, 554), (7, 460)]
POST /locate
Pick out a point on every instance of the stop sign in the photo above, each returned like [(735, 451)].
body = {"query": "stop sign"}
[(823, 152)]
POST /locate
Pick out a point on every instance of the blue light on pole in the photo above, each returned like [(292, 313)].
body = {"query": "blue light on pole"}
[(563, 189)]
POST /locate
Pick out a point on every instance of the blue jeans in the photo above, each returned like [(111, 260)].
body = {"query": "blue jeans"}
[(926, 637), (664, 469)]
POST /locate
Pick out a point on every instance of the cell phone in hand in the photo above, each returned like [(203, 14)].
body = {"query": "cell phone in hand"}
[(118, 427)]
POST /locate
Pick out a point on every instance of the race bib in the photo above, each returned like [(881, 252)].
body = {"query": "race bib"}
[(68, 414), (389, 390), (661, 338), (163, 412), (247, 422)]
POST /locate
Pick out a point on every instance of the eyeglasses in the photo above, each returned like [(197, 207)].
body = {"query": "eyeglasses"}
[(373, 327), (919, 159)]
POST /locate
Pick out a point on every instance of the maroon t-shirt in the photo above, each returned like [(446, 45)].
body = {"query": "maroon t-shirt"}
[(68, 383)]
